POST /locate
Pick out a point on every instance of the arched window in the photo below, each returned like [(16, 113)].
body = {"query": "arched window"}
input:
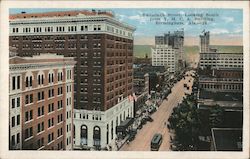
[(97, 136), (84, 135), (30, 80), (27, 81), (39, 79)]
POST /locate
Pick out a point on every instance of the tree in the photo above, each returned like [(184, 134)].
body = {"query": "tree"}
[(216, 116), (186, 124)]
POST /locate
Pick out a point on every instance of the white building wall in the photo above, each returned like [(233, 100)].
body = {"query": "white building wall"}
[(106, 118), (163, 55), (69, 106), (14, 112)]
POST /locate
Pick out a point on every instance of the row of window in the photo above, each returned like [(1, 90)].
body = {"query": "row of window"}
[(73, 29), (40, 111)]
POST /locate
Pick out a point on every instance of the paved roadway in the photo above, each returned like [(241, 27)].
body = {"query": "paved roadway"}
[(144, 136)]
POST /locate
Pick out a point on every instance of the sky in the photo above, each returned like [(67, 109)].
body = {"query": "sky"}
[(225, 25)]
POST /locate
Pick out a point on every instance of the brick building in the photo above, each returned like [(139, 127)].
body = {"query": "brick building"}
[(41, 102), (103, 49)]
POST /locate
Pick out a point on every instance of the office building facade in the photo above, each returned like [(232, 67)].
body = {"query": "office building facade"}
[(41, 102), (170, 43), (103, 49)]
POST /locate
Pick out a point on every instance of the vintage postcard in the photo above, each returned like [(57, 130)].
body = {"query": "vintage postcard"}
[(124, 79)]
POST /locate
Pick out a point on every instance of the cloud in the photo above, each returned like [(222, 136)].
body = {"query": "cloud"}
[(140, 19), (121, 17), (228, 19), (237, 30), (219, 31)]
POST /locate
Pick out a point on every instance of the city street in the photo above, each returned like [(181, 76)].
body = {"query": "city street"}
[(143, 138)]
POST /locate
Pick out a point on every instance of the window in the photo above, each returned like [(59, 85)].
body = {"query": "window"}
[(51, 93), (28, 115), (18, 120), (40, 111), (51, 77), (13, 83), (30, 81), (13, 140), (59, 90), (59, 104), (51, 107), (18, 82), (13, 121), (59, 76), (18, 102), (40, 96), (50, 122), (50, 137), (13, 102), (29, 99), (18, 138), (28, 132), (40, 127), (40, 142), (59, 118)]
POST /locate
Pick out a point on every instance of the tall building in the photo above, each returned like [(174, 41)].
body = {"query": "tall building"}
[(170, 42), (204, 42), (219, 71), (103, 49), (163, 55), (41, 102)]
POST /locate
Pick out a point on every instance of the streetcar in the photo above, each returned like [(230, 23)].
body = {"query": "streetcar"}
[(156, 142)]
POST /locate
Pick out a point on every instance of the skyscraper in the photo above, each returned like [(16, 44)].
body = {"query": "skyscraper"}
[(103, 49), (204, 42), (169, 50)]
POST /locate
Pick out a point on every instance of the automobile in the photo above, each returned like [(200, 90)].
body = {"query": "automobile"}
[(131, 136), (156, 142), (148, 118), (185, 85), (187, 88), (140, 126), (143, 121), (189, 81)]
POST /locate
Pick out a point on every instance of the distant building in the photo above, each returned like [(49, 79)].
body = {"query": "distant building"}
[(217, 60), (41, 95), (204, 42), (162, 55), (170, 45), (141, 89), (158, 75), (219, 71)]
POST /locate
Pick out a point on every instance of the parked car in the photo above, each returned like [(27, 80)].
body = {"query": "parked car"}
[(148, 118)]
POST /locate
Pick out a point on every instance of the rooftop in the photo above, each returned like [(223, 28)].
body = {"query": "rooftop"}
[(227, 139), (42, 58), (24, 15), (221, 96)]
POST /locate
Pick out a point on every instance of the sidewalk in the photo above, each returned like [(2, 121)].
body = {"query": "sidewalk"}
[(117, 144)]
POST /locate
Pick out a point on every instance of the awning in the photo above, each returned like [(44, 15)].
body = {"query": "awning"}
[(124, 125)]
